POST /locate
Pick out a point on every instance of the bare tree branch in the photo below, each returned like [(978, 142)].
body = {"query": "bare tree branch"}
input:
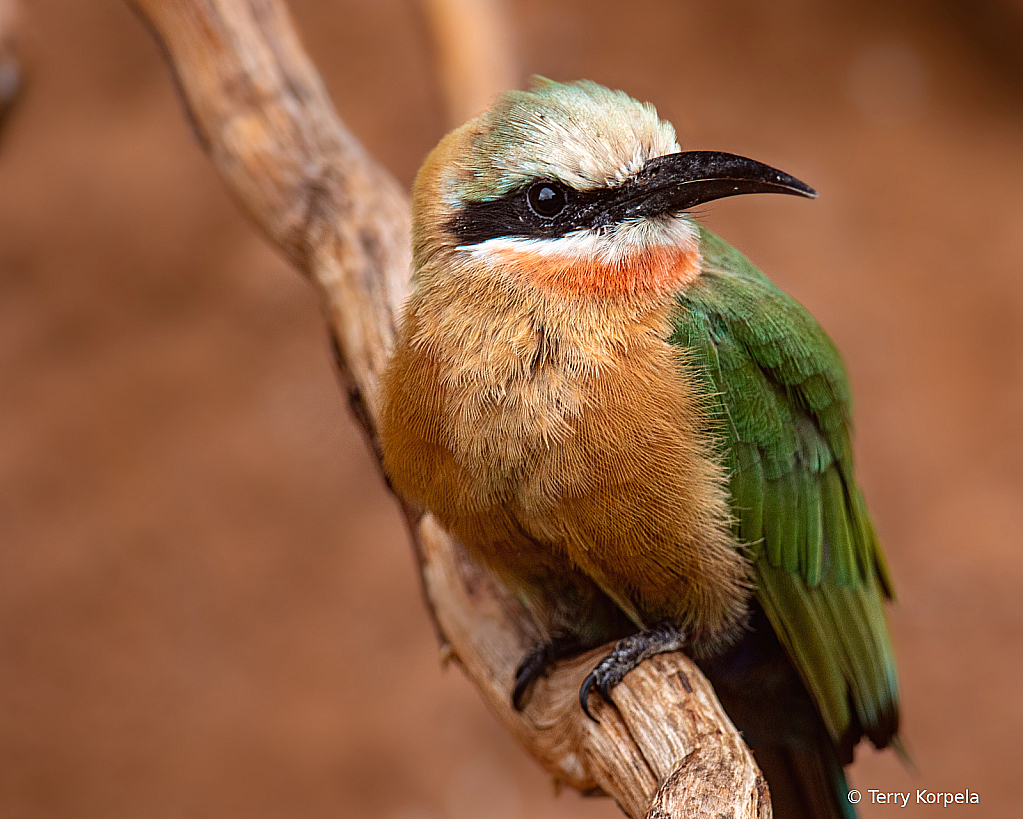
[(474, 54), (666, 748), (11, 73)]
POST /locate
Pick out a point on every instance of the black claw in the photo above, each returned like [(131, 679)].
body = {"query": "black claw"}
[(537, 661), (587, 686), (628, 653), (533, 665)]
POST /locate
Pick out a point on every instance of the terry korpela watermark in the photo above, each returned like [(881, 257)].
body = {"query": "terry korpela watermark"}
[(922, 796)]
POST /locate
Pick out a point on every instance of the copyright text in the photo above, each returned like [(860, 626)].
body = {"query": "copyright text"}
[(921, 797)]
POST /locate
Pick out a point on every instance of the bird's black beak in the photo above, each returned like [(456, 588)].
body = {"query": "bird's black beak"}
[(677, 182)]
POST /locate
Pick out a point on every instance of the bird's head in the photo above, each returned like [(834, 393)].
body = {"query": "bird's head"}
[(573, 188)]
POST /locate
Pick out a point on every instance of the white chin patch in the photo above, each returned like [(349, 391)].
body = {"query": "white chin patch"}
[(610, 246)]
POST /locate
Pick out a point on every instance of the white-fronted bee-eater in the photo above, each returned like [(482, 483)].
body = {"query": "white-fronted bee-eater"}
[(637, 431)]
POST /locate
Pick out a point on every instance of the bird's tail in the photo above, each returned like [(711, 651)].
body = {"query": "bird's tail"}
[(806, 784)]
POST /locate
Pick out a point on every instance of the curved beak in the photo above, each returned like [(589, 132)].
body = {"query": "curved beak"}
[(677, 182)]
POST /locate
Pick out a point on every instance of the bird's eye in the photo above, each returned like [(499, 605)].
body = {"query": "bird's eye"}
[(546, 199)]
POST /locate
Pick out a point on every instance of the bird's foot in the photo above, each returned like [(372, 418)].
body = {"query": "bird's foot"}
[(628, 653), (538, 660)]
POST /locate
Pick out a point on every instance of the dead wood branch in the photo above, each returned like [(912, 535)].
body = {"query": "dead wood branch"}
[(11, 73), (474, 57), (666, 749)]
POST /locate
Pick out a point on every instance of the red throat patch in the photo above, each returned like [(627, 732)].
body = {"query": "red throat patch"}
[(656, 271)]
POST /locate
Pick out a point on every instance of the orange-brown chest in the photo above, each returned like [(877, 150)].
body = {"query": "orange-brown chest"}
[(560, 441), (502, 409)]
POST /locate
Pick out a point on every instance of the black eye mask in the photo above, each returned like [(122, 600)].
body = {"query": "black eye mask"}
[(546, 209)]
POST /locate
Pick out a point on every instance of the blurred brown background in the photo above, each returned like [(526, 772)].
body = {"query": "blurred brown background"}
[(207, 604)]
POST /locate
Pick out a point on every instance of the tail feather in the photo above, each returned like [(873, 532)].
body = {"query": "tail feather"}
[(806, 784), (768, 702)]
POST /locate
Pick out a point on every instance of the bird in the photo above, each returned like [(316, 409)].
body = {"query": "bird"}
[(642, 436)]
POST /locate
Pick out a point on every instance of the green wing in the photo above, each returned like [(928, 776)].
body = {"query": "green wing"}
[(782, 403)]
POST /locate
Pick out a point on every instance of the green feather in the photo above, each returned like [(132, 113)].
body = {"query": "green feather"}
[(747, 483), (838, 538), (813, 514), (781, 404)]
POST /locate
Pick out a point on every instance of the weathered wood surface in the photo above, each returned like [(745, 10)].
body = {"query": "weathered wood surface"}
[(260, 110)]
